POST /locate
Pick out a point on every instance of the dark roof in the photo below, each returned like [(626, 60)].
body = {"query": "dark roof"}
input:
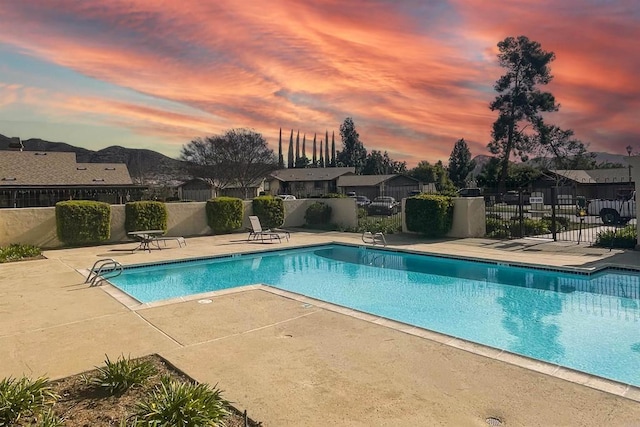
[(311, 174), (367, 180), (43, 169), (595, 176)]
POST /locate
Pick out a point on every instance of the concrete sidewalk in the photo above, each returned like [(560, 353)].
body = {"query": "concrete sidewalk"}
[(292, 363)]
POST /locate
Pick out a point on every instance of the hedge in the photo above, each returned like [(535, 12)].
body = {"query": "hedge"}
[(83, 222), (224, 214), (317, 213), (145, 215), (429, 214), (270, 210)]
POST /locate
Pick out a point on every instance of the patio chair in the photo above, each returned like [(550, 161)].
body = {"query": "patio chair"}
[(257, 232)]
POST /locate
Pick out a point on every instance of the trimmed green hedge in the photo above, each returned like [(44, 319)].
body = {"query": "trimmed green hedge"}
[(224, 214), (318, 213), (270, 210), (145, 215), (83, 221), (429, 214)]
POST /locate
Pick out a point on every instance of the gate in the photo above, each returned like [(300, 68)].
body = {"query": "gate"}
[(554, 213)]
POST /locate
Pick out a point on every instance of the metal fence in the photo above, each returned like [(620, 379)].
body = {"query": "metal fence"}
[(559, 214)]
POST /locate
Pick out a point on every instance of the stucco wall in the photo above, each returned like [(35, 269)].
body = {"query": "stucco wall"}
[(468, 217), (37, 226)]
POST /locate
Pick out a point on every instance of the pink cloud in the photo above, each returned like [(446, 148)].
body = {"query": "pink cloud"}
[(415, 77)]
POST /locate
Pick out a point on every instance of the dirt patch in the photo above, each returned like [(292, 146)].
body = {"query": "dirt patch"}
[(83, 404)]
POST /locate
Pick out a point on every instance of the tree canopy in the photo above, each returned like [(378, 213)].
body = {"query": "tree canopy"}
[(239, 156), (378, 163), (519, 102), (460, 163), (353, 153)]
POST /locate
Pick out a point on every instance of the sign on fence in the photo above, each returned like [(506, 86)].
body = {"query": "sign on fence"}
[(537, 199)]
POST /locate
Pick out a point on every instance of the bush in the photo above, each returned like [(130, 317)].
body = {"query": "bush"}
[(378, 225), (23, 397), (182, 404), (562, 223), (119, 376), (83, 221), (497, 228), (530, 227), (334, 196), (431, 215), (145, 215), (624, 238), (318, 213), (16, 252), (224, 214), (270, 210)]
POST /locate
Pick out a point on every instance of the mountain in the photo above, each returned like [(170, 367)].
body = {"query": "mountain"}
[(146, 167)]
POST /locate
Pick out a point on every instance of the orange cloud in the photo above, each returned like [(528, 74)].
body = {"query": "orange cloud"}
[(415, 77)]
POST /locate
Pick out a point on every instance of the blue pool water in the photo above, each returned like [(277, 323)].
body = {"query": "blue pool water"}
[(585, 322)]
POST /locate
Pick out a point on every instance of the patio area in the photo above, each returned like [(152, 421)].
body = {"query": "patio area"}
[(292, 363)]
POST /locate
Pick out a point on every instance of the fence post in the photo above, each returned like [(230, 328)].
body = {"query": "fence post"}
[(554, 198), (520, 213)]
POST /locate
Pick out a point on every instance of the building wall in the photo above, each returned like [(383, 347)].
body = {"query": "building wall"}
[(37, 226)]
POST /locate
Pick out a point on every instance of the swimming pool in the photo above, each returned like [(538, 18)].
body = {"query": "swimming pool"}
[(587, 322)]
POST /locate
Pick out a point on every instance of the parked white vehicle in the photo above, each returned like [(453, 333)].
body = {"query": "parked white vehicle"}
[(613, 211)]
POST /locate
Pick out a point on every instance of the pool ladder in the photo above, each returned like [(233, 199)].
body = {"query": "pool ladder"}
[(103, 269)]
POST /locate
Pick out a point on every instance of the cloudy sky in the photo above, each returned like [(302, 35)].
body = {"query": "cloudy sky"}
[(415, 75)]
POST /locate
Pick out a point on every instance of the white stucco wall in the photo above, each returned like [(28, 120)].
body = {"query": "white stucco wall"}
[(37, 226), (634, 161)]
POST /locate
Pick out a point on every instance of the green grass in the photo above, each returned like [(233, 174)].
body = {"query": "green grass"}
[(119, 376), (17, 252)]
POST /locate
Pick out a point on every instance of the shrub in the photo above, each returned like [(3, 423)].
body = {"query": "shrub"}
[(334, 196), (624, 238), (562, 223), (224, 214), (530, 227), (119, 376), (23, 397), (270, 210), (378, 225), (497, 228), (317, 213), (182, 404), (145, 215), (16, 252), (83, 221), (431, 215)]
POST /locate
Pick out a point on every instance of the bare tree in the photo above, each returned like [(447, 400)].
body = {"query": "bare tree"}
[(239, 156)]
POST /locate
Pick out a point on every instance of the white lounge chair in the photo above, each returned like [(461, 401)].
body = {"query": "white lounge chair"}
[(258, 233)]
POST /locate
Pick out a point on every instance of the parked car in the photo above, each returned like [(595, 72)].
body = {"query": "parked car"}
[(619, 211), (383, 205), (286, 197), (352, 194), (362, 201), (470, 192)]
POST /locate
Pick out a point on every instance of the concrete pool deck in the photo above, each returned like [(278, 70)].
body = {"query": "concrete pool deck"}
[(292, 363)]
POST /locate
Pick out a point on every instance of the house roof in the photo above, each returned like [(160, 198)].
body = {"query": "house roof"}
[(595, 176), (310, 174), (367, 180), (45, 169)]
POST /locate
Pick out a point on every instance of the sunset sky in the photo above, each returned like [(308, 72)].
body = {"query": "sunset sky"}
[(415, 75)]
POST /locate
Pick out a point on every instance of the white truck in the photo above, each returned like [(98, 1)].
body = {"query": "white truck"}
[(613, 212)]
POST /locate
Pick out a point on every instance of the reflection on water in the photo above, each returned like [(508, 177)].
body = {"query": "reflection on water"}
[(574, 320)]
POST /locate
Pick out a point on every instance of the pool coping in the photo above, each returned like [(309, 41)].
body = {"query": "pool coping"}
[(606, 385)]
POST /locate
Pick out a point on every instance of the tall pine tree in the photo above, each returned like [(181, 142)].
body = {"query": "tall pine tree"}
[(315, 158), (321, 164), (333, 149), (297, 161)]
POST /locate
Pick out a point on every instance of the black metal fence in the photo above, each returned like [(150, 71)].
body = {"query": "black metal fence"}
[(556, 213)]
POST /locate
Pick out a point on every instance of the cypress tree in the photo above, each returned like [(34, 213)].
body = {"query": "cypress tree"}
[(280, 158), (326, 149), (297, 147), (333, 149), (304, 143), (321, 156), (315, 159), (290, 159)]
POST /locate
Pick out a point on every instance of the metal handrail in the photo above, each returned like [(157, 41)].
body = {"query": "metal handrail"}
[(101, 270)]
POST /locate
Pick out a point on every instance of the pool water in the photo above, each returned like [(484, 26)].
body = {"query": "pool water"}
[(585, 322)]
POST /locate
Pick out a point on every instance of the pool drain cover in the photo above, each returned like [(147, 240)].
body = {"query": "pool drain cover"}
[(493, 421), (204, 301)]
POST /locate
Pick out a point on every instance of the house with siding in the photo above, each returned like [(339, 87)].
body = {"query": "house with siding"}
[(372, 186), (305, 182), (592, 184), (38, 179)]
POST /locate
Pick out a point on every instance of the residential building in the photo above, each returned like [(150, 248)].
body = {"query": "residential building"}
[(305, 182)]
